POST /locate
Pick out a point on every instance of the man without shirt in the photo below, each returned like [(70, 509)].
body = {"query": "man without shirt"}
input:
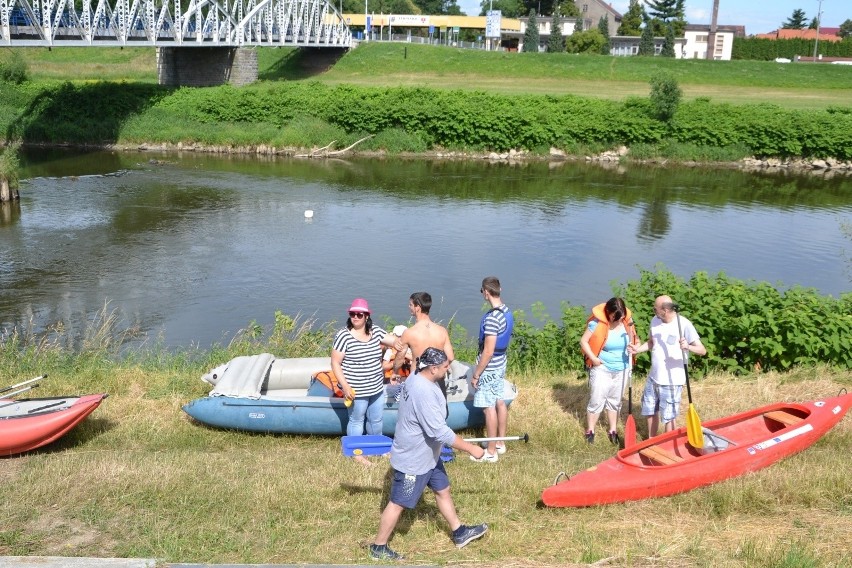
[(423, 334)]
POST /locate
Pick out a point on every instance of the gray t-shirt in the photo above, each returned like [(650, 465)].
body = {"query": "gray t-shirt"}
[(421, 427)]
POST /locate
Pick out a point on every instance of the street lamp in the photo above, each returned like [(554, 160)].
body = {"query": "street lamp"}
[(819, 18)]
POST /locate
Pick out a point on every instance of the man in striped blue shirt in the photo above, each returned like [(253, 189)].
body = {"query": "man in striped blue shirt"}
[(489, 376)]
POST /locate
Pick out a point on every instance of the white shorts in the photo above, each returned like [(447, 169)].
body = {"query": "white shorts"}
[(607, 388)]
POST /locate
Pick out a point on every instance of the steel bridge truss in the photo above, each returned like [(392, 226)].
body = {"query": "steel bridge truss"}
[(204, 23)]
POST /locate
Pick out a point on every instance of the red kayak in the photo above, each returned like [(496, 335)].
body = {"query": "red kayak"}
[(30, 423), (668, 464)]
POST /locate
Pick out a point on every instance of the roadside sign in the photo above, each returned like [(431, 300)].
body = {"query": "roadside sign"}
[(493, 23)]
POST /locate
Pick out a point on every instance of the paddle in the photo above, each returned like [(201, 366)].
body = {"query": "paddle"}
[(376, 444), (693, 422), (7, 389), (630, 423)]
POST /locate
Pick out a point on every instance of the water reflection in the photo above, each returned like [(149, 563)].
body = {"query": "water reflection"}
[(194, 246)]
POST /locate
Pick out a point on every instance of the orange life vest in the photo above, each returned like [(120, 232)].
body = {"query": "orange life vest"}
[(404, 371), (598, 338), (329, 380)]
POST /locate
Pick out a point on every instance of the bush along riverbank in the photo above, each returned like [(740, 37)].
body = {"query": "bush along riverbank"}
[(288, 118)]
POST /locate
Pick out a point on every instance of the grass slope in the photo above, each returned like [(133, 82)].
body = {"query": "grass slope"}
[(139, 479), (793, 86)]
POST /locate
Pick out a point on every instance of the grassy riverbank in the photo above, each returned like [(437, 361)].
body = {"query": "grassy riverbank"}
[(139, 479), (400, 98), (792, 86)]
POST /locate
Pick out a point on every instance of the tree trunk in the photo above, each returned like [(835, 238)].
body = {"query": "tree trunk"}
[(6, 193)]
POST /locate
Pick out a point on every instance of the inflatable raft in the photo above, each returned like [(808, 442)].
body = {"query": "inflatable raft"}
[(264, 394)]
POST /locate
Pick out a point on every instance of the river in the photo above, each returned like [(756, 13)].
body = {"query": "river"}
[(189, 248)]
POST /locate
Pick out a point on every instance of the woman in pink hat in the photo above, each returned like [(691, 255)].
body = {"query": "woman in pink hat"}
[(356, 359)]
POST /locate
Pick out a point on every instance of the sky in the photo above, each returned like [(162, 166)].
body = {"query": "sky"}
[(758, 16)]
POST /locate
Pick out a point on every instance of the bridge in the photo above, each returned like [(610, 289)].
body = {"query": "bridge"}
[(201, 46), (160, 23)]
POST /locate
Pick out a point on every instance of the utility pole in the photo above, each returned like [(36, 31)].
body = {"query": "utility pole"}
[(819, 22), (711, 38)]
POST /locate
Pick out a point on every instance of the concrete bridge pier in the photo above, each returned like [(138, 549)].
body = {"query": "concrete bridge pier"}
[(206, 66)]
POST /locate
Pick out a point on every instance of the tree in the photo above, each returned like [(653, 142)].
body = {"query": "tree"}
[(665, 95), (667, 11), (814, 24), (631, 22), (796, 21), (845, 29), (589, 41), (603, 27), (669, 44), (556, 42), (531, 37), (646, 43), (508, 8), (569, 9), (9, 172)]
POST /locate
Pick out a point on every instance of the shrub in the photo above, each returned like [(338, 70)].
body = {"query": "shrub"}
[(665, 96), (13, 68)]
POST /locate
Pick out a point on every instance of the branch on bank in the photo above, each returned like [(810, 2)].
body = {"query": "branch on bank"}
[(325, 152)]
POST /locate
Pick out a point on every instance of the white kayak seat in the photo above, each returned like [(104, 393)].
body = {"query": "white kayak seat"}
[(714, 442)]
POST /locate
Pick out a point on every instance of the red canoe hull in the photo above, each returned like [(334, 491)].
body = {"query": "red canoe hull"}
[(32, 423), (667, 464)]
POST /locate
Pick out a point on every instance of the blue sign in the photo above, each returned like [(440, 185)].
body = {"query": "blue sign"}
[(431, 29), (369, 24)]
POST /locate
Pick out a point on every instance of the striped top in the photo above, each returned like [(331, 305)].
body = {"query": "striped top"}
[(494, 323), (362, 361)]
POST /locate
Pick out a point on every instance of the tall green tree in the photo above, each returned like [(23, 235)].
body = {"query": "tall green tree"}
[(845, 29), (603, 27), (569, 9), (795, 21), (556, 41), (531, 36), (669, 44), (631, 21), (508, 8), (646, 41), (814, 24), (665, 12)]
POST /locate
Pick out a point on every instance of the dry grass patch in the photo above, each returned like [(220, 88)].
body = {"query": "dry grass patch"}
[(140, 479)]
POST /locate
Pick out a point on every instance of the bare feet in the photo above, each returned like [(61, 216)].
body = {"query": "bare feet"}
[(363, 461)]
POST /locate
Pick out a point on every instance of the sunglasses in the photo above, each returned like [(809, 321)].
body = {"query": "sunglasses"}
[(357, 315)]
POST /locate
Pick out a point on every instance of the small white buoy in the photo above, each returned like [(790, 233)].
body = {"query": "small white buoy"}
[(309, 214)]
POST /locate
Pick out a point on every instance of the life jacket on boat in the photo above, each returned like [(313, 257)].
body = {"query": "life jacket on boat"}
[(502, 338), (327, 379), (404, 371), (599, 335)]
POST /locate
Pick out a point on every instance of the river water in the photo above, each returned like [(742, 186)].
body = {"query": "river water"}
[(190, 248)]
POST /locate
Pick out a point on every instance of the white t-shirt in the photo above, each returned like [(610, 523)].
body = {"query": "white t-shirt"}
[(666, 355)]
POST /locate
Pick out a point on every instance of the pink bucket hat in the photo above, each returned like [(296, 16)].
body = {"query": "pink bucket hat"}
[(359, 305)]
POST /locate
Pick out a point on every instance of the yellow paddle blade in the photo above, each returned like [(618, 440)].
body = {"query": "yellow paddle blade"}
[(693, 428)]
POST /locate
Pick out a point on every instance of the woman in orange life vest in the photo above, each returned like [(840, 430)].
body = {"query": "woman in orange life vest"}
[(604, 344)]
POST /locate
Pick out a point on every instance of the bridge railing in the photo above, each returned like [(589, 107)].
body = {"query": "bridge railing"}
[(160, 22)]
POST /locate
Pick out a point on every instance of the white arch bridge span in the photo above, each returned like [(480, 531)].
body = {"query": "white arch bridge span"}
[(164, 23)]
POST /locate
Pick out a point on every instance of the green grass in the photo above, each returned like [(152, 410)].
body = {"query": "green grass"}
[(139, 478), (795, 86)]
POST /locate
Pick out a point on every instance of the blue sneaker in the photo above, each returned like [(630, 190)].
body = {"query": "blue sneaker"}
[(464, 534), (384, 552)]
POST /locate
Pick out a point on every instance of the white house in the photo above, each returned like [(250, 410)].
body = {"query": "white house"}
[(697, 36)]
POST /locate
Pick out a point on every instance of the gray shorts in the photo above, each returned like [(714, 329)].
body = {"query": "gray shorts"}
[(664, 399)]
